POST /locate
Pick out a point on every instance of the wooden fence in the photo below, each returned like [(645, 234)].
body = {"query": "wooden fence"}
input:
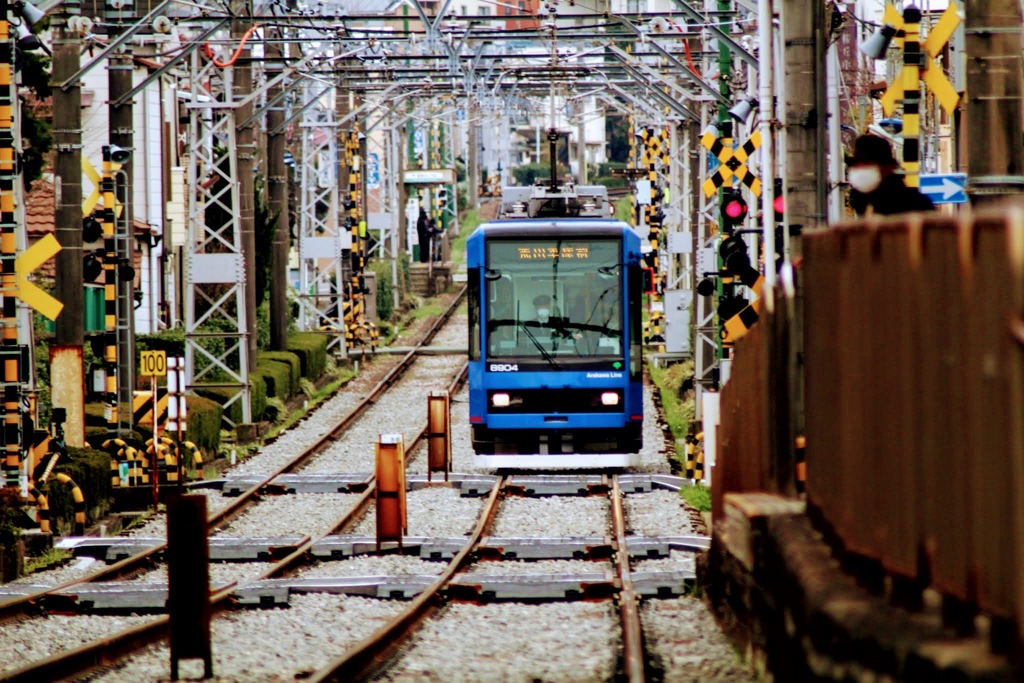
[(913, 362)]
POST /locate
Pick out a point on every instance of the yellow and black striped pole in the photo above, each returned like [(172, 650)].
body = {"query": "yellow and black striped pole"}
[(79, 502), (8, 253), (911, 76), (42, 508), (107, 218)]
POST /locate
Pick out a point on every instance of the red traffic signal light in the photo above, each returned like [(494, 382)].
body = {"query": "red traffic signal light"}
[(734, 209), (779, 203)]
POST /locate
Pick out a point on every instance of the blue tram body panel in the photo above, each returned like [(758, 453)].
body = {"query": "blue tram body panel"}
[(555, 342)]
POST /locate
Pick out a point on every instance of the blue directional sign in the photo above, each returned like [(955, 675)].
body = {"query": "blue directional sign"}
[(945, 188)]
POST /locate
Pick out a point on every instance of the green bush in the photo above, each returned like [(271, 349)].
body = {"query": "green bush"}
[(311, 348), (172, 341), (90, 470), (610, 181), (385, 293), (277, 377), (528, 173), (605, 168), (257, 398), (288, 358), (204, 421)]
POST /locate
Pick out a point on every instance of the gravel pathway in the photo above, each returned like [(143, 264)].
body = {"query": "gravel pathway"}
[(270, 645), (563, 642), (688, 645), (554, 516)]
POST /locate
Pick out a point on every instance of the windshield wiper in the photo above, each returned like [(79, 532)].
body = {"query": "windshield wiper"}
[(540, 347)]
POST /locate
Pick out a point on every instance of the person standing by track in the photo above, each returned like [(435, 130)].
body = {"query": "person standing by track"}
[(877, 183)]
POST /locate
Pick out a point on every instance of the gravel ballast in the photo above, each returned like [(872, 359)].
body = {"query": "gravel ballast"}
[(270, 645), (31, 640), (433, 512), (687, 644), (511, 642), (657, 513), (553, 516)]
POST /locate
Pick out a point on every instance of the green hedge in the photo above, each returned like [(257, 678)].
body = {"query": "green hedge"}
[(311, 348), (277, 377), (385, 295), (257, 398), (172, 341), (90, 470), (204, 420), (288, 358)]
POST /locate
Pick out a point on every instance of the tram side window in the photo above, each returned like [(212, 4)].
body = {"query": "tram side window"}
[(473, 295), (635, 325), (501, 317)]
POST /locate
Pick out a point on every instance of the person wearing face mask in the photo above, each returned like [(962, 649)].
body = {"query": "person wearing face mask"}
[(544, 309), (876, 182)]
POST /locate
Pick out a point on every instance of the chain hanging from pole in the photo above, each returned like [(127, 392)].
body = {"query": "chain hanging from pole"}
[(215, 321)]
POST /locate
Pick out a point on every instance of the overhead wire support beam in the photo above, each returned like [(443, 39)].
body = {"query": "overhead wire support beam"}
[(684, 70), (639, 69), (115, 44), (167, 66), (734, 47)]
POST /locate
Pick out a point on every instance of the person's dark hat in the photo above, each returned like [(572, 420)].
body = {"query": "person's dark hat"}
[(872, 149)]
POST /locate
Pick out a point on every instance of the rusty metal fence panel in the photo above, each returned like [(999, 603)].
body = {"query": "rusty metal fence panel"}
[(753, 431), (914, 356)]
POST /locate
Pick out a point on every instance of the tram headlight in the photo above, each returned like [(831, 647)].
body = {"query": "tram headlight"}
[(499, 400), (609, 398)]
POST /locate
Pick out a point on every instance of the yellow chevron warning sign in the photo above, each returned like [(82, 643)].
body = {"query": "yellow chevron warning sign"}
[(142, 406)]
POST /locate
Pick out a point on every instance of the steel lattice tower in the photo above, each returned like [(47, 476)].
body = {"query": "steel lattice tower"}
[(216, 329)]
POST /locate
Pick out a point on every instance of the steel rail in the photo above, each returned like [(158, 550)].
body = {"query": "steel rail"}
[(629, 611), (107, 650), (34, 602), (373, 651)]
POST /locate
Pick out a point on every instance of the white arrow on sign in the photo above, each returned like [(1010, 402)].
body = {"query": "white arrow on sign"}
[(948, 188)]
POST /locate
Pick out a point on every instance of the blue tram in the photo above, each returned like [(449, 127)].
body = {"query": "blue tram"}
[(555, 375)]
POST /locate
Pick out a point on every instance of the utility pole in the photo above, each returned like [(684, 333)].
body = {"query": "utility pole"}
[(806, 174), (277, 185), (120, 127), (246, 156), (995, 151), (67, 376), (473, 168)]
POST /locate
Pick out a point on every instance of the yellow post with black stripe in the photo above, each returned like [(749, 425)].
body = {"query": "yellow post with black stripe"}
[(911, 77), (79, 502), (12, 380), (107, 218), (42, 508)]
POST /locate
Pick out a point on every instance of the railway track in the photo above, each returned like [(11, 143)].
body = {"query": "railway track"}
[(102, 651), (312, 602), (373, 654)]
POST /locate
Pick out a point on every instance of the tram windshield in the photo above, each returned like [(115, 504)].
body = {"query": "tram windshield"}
[(554, 299)]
